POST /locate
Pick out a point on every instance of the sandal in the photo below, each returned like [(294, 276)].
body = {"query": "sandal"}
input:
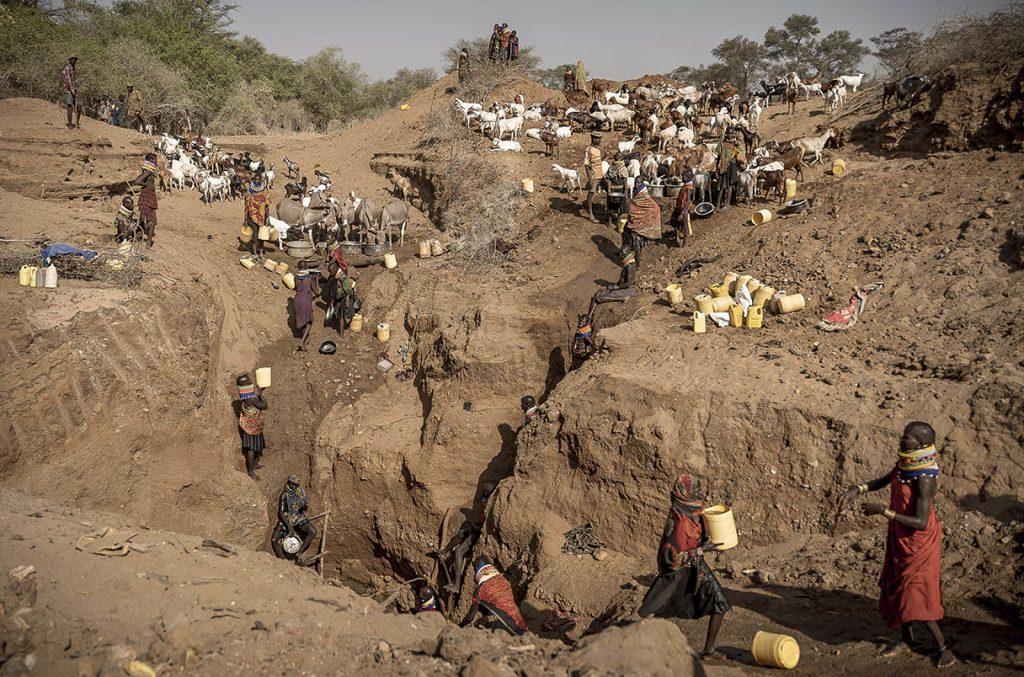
[(945, 657), (894, 650)]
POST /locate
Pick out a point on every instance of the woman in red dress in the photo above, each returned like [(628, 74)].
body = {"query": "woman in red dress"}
[(910, 585)]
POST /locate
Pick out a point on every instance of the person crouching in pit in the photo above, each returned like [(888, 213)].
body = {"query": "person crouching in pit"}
[(251, 420), (910, 584), (125, 221), (495, 601), (686, 587)]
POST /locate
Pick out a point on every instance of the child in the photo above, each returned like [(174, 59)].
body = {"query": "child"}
[(125, 222)]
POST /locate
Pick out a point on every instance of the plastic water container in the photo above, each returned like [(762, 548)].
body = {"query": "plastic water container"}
[(50, 277), (263, 233), (425, 249), (720, 304), (390, 260), (721, 289), (754, 318), (281, 268), (39, 281), (25, 275), (356, 323), (245, 235), (700, 322), (247, 262), (435, 248), (383, 332), (790, 303), (763, 294), (270, 265), (775, 650), (721, 526), (761, 216), (735, 315), (838, 167), (729, 281), (704, 303), (289, 280), (528, 185), (674, 294), (790, 189), (263, 377)]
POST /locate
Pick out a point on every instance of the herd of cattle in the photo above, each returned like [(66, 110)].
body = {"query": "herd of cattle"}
[(306, 211), (676, 132)]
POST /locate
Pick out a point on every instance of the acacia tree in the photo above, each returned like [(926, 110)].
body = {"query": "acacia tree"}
[(742, 61), (478, 49), (838, 53), (895, 47), (791, 47)]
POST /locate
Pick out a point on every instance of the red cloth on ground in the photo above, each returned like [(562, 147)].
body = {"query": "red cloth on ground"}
[(910, 586), (497, 592)]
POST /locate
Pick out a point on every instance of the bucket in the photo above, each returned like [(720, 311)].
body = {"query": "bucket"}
[(672, 190), (735, 315), (720, 304), (761, 216), (700, 322), (383, 332), (289, 280), (703, 303), (528, 185), (721, 289), (270, 265), (656, 190), (50, 277), (356, 323), (721, 526), (790, 189), (763, 294), (435, 248), (263, 233), (775, 650), (754, 318), (25, 275), (425, 249), (245, 235), (390, 261), (263, 377), (838, 167), (674, 294), (247, 262), (281, 268), (790, 303)]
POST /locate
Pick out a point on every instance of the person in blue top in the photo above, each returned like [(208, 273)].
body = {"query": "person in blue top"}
[(292, 520)]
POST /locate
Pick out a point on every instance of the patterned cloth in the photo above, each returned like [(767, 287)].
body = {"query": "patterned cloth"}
[(846, 317), (257, 205), (494, 596), (67, 77), (251, 420), (918, 463), (645, 216), (293, 503)]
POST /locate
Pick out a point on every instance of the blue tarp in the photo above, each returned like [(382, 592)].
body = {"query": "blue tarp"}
[(61, 249)]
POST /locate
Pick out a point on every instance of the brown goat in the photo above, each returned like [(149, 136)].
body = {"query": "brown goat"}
[(792, 159)]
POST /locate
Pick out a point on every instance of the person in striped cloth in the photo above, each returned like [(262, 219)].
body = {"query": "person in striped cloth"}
[(910, 584), (495, 600), (251, 420), (147, 198)]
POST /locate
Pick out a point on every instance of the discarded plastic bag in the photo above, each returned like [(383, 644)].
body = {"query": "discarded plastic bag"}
[(110, 543)]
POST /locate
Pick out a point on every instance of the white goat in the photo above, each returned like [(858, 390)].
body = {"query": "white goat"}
[(511, 126), (815, 144), (269, 174), (570, 178), (666, 136), (563, 132), (685, 136), (213, 187), (533, 114), (835, 98), (534, 133), (626, 147), (513, 146), (754, 112), (852, 81)]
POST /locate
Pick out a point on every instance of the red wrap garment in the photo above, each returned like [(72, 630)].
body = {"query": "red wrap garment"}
[(910, 588), (497, 594)]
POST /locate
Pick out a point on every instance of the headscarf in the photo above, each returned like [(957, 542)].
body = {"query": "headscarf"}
[(686, 496), (918, 463), (485, 572)]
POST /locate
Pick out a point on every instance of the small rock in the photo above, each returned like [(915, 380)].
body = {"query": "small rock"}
[(22, 572), (600, 554), (86, 667), (383, 653), (760, 577), (988, 530), (1004, 199), (987, 213)]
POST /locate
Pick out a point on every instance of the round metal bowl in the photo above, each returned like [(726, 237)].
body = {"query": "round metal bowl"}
[(328, 348), (704, 210), (374, 249), (794, 206), (349, 247), (299, 249)]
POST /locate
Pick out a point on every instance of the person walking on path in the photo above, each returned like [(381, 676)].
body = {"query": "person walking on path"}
[(910, 585), (251, 421), (595, 171), (686, 587), (581, 77), (463, 65), (133, 115), (257, 209), (306, 288), (69, 87)]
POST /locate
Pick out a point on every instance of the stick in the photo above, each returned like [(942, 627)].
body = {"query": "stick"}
[(323, 545)]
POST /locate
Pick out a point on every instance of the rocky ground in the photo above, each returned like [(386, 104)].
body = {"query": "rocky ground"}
[(119, 401)]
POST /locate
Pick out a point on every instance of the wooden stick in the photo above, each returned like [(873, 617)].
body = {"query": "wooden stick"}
[(323, 545)]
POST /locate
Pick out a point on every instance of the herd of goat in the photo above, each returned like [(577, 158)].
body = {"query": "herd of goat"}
[(679, 130)]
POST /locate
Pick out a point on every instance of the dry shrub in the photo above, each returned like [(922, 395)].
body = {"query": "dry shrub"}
[(250, 109), (993, 39), (476, 200)]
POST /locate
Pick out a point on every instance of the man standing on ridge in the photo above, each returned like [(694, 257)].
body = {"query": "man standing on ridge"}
[(70, 88), (595, 171), (133, 115)]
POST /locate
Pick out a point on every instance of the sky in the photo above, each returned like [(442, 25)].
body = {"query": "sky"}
[(616, 40)]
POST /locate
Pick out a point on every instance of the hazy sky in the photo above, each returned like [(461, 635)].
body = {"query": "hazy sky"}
[(615, 39)]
